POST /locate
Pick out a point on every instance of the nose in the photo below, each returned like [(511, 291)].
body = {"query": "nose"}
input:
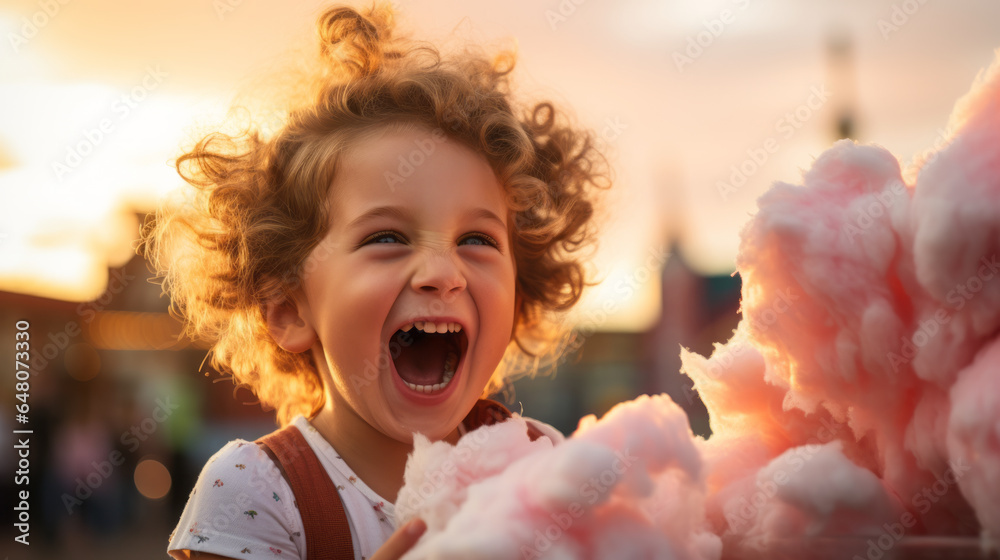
[(438, 273)]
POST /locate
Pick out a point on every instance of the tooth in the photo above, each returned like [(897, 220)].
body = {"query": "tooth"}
[(419, 325), (435, 387), (429, 327), (458, 327), (407, 327), (441, 327)]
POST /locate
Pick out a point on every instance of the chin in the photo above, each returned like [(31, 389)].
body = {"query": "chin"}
[(433, 432)]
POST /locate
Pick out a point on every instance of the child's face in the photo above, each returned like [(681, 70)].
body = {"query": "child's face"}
[(419, 231)]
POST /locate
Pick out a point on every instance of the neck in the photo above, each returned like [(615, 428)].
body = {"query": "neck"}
[(378, 459), (375, 457)]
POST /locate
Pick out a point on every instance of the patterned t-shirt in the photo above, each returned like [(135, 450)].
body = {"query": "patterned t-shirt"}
[(241, 506)]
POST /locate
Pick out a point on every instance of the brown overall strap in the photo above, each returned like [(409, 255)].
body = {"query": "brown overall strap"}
[(327, 533)]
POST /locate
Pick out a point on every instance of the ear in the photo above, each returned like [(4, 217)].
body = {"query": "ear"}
[(287, 327)]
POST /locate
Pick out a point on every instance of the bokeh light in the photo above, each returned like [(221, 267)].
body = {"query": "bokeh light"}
[(152, 479)]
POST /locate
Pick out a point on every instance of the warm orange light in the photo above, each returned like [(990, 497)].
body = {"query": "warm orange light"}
[(628, 299), (152, 479), (130, 330)]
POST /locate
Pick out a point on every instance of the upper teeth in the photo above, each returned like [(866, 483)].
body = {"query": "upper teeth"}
[(431, 327)]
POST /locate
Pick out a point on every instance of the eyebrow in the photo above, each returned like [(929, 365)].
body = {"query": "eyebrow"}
[(401, 214)]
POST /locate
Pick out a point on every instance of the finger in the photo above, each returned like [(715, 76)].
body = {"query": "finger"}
[(401, 541)]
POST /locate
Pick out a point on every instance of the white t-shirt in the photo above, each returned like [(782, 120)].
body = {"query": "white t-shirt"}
[(241, 506)]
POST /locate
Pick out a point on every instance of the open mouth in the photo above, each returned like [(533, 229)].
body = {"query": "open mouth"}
[(427, 354)]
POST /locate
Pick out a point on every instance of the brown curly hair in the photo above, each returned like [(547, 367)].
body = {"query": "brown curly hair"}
[(259, 204)]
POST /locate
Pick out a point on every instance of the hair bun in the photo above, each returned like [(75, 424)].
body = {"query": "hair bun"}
[(355, 42)]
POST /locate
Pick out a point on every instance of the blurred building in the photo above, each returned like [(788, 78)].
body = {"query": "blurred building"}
[(122, 419), (611, 367)]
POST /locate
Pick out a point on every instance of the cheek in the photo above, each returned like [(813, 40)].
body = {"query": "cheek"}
[(355, 309), (496, 296)]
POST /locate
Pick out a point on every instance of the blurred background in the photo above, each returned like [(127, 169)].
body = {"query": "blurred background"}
[(701, 104)]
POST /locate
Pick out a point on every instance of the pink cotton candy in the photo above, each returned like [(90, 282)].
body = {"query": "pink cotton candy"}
[(859, 396), (974, 435), (864, 303), (777, 473), (627, 486)]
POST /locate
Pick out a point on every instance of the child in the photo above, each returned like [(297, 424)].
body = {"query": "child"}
[(365, 272)]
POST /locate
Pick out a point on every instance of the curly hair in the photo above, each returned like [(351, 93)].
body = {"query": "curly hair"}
[(259, 203)]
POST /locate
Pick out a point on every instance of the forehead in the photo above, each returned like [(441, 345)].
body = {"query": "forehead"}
[(416, 168)]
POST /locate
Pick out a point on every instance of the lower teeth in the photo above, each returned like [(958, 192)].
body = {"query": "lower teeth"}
[(449, 371)]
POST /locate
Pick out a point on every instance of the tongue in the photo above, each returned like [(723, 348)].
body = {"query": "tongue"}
[(421, 357)]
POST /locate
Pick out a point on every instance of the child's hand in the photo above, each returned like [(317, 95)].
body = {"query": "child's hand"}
[(401, 541)]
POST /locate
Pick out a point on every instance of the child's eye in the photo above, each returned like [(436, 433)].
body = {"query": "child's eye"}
[(479, 239), (384, 237)]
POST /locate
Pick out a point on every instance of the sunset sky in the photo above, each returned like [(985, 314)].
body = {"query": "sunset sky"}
[(99, 97)]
